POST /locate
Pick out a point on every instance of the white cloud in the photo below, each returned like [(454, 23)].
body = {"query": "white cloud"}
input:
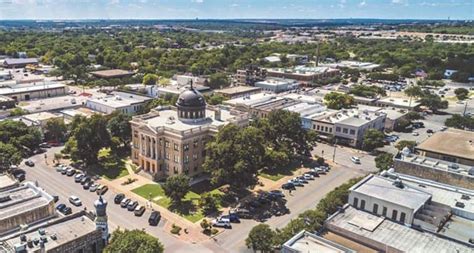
[(363, 3), (197, 1), (342, 3), (234, 5)]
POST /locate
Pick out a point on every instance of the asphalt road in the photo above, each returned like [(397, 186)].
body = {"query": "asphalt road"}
[(302, 199)]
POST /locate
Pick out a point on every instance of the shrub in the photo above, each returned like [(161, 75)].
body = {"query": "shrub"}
[(175, 229)]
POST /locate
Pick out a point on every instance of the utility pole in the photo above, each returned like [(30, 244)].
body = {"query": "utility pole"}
[(465, 108), (334, 152)]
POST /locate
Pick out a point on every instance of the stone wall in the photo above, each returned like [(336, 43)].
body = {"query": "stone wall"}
[(90, 243), (434, 174)]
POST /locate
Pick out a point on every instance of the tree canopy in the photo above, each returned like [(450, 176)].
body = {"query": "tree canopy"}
[(176, 187), (373, 138), (261, 238), (336, 100), (133, 241), (384, 161)]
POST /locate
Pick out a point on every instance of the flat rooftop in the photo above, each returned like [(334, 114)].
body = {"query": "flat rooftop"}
[(119, 99), (390, 233), (309, 242), (237, 90), (65, 230), (276, 82), (251, 99), (30, 88), (52, 104), (453, 142), (178, 89), (436, 164), (303, 70), (111, 73), (41, 116), (405, 102), (7, 182), (383, 188)]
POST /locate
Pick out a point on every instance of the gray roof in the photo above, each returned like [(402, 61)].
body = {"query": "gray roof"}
[(383, 188), (191, 98), (390, 233), (13, 61)]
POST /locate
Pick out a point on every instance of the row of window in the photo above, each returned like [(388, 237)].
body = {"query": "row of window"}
[(346, 131), (322, 128), (375, 210)]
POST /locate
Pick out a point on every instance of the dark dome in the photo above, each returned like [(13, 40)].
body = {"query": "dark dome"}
[(191, 98)]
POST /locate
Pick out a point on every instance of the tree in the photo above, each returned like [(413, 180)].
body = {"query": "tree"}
[(384, 161), (404, 143), (9, 155), (373, 138), (107, 159), (261, 238), (176, 187), (413, 91), (461, 93), (313, 219), (119, 126), (209, 203), (336, 100), (24, 138), (89, 136), (460, 122), (55, 130), (433, 102), (218, 80), (413, 116), (215, 99), (235, 156), (17, 112), (150, 79), (133, 241), (206, 226), (164, 82), (367, 91)]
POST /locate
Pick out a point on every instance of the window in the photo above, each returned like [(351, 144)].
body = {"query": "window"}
[(317, 128), (196, 143), (167, 144), (176, 159), (376, 209), (345, 130), (186, 159), (338, 129), (176, 147), (356, 202), (186, 147), (362, 204), (330, 129), (384, 211), (167, 156), (195, 157), (394, 215), (352, 132), (402, 217)]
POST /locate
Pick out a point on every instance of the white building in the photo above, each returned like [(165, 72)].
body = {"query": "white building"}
[(126, 103), (277, 85), (28, 92)]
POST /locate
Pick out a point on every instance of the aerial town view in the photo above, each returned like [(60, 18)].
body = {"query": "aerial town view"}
[(202, 126)]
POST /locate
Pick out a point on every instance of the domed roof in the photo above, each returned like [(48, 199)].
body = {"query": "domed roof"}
[(191, 98)]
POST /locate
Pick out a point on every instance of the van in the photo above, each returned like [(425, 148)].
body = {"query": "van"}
[(154, 218)]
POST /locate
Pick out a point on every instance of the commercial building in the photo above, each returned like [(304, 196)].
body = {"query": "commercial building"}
[(307, 111), (303, 73), (348, 126), (5, 75), (394, 115), (250, 75), (403, 103), (6, 102), (277, 85), (54, 104), (308, 242), (175, 89), (112, 73), (401, 213), (452, 145), (238, 91), (368, 66), (40, 119), (126, 103), (170, 141), (184, 80), (19, 62), (298, 58), (28, 92)]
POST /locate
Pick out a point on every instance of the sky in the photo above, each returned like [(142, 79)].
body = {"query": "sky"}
[(234, 9)]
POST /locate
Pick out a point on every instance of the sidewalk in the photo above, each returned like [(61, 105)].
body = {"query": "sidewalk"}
[(194, 229)]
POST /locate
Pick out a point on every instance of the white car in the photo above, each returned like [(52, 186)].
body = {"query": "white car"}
[(355, 159), (78, 177), (75, 200), (415, 134), (222, 222), (308, 176), (93, 187)]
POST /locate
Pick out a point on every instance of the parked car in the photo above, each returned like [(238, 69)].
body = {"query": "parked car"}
[(67, 210), (154, 218), (87, 185), (223, 223), (242, 213), (20, 176), (288, 186), (60, 167), (132, 205), (29, 163), (415, 134), (139, 210), (301, 179), (308, 176), (118, 198), (64, 170), (124, 202), (313, 173), (101, 190), (276, 194), (443, 128), (44, 145), (75, 200), (234, 218), (60, 207), (78, 177), (70, 172), (85, 179), (93, 187), (355, 159), (296, 182), (429, 131)]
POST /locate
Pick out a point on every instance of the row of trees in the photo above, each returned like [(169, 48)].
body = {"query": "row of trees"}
[(460, 121), (236, 154), (367, 91), (426, 98), (265, 239)]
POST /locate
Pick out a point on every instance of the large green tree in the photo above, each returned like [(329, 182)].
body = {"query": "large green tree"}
[(119, 126), (176, 187), (261, 238), (235, 156), (150, 79), (219, 80), (460, 121), (9, 155), (24, 138), (433, 101), (461, 93), (55, 130), (384, 161), (373, 138), (133, 241), (336, 100)]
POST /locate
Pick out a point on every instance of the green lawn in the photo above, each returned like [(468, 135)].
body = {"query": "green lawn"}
[(273, 177), (188, 209), (111, 174)]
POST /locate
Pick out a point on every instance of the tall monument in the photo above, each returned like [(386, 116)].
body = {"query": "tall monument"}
[(101, 218)]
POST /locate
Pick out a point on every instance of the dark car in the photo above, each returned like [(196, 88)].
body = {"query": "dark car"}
[(313, 173), (44, 145), (85, 180), (155, 217), (288, 186), (20, 177), (102, 190), (118, 198), (233, 217), (67, 210), (60, 207), (276, 194), (29, 163), (87, 185), (242, 213), (429, 131)]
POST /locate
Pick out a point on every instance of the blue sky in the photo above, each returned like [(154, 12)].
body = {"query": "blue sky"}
[(222, 9)]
